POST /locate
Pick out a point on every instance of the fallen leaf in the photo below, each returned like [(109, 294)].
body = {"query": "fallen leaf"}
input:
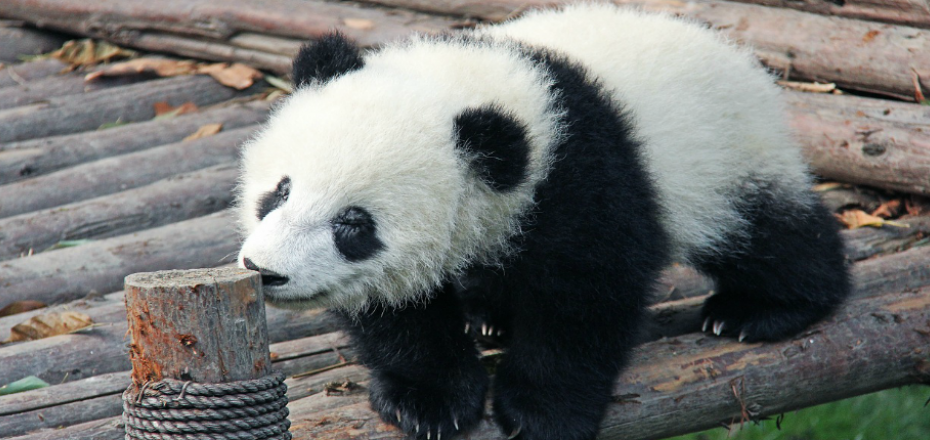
[(238, 76), (165, 110), (918, 93), (21, 307), (158, 66), (204, 131), (888, 209), (870, 35), (49, 324), (280, 84), (27, 383), (362, 24), (808, 87), (856, 218), (77, 53), (910, 205)]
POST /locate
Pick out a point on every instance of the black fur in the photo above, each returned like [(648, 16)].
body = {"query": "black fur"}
[(355, 234), (790, 273), (497, 145), (324, 59), (424, 367), (572, 300), (273, 199)]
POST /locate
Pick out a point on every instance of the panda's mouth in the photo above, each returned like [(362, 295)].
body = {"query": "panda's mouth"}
[(293, 303), (273, 279)]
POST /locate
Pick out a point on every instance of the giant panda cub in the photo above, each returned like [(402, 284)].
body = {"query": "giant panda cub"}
[(532, 179)]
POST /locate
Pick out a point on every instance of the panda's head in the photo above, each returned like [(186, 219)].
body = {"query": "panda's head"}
[(381, 177)]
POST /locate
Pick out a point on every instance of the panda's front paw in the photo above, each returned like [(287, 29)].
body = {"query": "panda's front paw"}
[(538, 411), (433, 407)]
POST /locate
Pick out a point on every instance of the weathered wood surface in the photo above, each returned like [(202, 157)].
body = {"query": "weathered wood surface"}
[(39, 91), (75, 113), (122, 21), (119, 173), (20, 74), (176, 198), (868, 141), (60, 405), (906, 12), (25, 159), (204, 325), (67, 274), (20, 41), (110, 428)]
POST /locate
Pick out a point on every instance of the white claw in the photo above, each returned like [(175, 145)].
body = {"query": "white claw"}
[(428, 433), (398, 415), (706, 323), (467, 327), (439, 435), (418, 427), (742, 335), (718, 327), (499, 333), (455, 421), (490, 331), (484, 329), (515, 433)]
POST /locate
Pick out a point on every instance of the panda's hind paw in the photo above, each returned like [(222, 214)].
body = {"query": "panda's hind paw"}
[(750, 320)]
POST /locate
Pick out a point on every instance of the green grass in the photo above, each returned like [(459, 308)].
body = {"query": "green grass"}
[(895, 414)]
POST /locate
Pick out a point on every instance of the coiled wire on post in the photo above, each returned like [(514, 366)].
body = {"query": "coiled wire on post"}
[(176, 410)]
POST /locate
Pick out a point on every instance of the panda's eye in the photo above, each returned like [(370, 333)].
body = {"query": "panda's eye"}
[(273, 199), (354, 233)]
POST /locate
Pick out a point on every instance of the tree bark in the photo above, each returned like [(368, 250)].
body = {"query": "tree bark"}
[(18, 42), (867, 141), (75, 113), (41, 90), (26, 159), (167, 201), (22, 73), (67, 274), (907, 12), (121, 172)]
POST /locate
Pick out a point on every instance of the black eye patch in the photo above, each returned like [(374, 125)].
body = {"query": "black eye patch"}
[(273, 199), (354, 234)]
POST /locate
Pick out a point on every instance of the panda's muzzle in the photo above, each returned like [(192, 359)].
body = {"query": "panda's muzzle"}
[(269, 278)]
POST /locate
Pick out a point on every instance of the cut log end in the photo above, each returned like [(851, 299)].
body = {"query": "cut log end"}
[(203, 325)]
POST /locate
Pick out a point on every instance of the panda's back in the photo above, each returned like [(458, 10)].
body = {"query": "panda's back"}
[(708, 115)]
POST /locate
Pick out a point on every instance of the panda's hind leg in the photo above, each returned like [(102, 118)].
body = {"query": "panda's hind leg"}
[(784, 273)]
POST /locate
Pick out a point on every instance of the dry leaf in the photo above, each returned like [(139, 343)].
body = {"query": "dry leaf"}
[(808, 87), (856, 218), (21, 306), (165, 110), (870, 35), (362, 24), (78, 53), (238, 76), (158, 66), (204, 131), (49, 324), (827, 186), (888, 209)]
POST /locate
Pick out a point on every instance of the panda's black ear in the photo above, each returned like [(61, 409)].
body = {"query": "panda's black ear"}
[(326, 58), (495, 142)]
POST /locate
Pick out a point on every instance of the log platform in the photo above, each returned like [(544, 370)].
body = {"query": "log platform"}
[(99, 179)]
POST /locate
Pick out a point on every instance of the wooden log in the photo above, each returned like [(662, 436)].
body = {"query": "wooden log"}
[(118, 173), (22, 73), (21, 160), (41, 90), (694, 382), (207, 49), (16, 42), (867, 141), (487, 10), (59, 405), (201, 325), (219, 20), (865, 243), (177, 198), (907, 12), (67, 274), (75, 113), (110, 428)]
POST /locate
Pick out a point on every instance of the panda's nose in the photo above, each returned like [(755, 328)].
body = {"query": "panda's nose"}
[(269, 278)]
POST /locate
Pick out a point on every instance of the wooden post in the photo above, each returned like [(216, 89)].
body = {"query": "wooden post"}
[(202, 325)]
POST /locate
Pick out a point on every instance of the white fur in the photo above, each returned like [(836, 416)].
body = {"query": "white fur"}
[(710, 117), (382, 138)]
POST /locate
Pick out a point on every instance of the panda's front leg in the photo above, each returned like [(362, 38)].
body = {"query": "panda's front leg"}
[(425, 374), (566, 351)]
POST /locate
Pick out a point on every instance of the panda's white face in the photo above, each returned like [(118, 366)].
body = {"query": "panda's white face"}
[(358, 189)]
